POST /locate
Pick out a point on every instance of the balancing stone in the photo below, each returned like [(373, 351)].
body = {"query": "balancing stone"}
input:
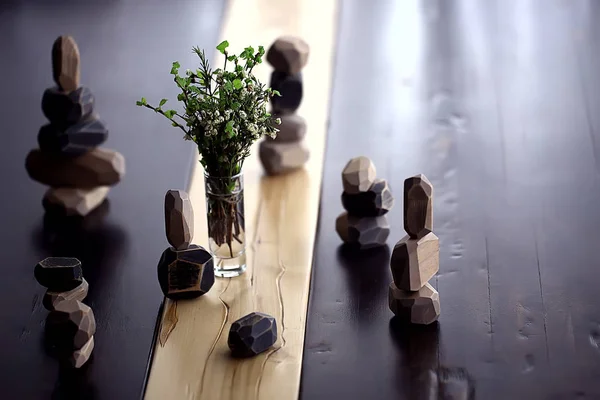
[(291, 130), (59, 274), (64, 109), (252, 334), (415, 261), (418, 212), (186, 274), (74, 202), (278, 158), (81, 356), (74, 140), (376, 201), (65, 63), (179, 219), (290, 88), (420, 307), (358, 175), (99, 167), (52, 298), (365, 233), (288, 54), (70, 326)]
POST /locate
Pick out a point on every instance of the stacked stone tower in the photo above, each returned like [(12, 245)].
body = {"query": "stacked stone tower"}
[(68, 159), (185, 270), (70, 325), (416, 257), (366, 200), (288, 55)]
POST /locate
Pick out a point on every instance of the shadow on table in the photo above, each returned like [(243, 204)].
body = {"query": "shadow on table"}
[(422, 377)]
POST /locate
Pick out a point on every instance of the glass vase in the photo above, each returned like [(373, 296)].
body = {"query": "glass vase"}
[(225, 218)]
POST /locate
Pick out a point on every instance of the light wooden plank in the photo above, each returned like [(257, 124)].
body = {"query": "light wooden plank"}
[(191, 361)]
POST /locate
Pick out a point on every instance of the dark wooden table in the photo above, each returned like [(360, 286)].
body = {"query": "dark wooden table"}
[(127, 48), (497, 102), (494, 101)]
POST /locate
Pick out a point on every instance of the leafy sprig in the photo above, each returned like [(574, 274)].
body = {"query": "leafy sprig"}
[(224, 110)]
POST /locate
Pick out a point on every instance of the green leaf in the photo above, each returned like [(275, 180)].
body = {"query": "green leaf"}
[(139, 103), (180, 97), (237, 84), (222, 46), (175, 68), (174, 124), (236, 105), (144, 102), (232, 58), (228, 86), (261, 50), (162, 102), (229, 126), (170, 113)]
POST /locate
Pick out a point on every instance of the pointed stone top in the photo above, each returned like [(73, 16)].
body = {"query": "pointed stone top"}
[(65, 63), (288, 54)]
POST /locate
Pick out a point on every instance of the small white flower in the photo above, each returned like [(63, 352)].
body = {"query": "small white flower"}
[(216, 113), (220, 120), (278, 121), (214, 132), (188, 72), (243, 115)]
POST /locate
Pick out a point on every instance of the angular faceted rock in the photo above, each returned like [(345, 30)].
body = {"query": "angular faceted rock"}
[(186, 274), (99, 167), (288, 54), (52, 298), (59, 274), (421, 307), (415, 261), (290, 89), (279, 158), (418, 202), (364, 233), (74, 202), (75, 140), (81, 356), (252, 334), (358, 175), (179, 219), (292, 129), (65, 63), (63, 109), (70, 326), (376, 201)]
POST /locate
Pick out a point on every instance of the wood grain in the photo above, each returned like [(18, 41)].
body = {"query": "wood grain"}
[(194, 362)]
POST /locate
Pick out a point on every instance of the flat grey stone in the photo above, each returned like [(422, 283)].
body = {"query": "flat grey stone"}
[(292, 129), (364, 233), (59, 274), (421, 307), (291, 90), (75, 140), (179, 219), (376, 201), (74, 202), (52, 298), (64, 109), (186, 274), (252, 334), (280, 158)]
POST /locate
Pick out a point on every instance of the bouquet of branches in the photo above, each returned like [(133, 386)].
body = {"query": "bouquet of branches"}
[(225, 112)]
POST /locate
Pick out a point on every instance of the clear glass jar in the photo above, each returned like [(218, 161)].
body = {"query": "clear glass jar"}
[(226, 228)]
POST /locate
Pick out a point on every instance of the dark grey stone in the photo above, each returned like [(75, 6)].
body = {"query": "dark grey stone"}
[(186, 274), (64, 109), (362, 233), (290, 88), (59, 274), (75, 140), (376, 201), (252, 334)]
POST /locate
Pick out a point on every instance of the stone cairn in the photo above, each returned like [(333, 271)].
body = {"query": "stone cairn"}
[(416, 258), (185, 270), (70, 325), (366, 200), (288, 55), (68, 159)]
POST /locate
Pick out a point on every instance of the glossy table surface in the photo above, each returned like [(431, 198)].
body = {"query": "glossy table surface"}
[(494, 101)]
